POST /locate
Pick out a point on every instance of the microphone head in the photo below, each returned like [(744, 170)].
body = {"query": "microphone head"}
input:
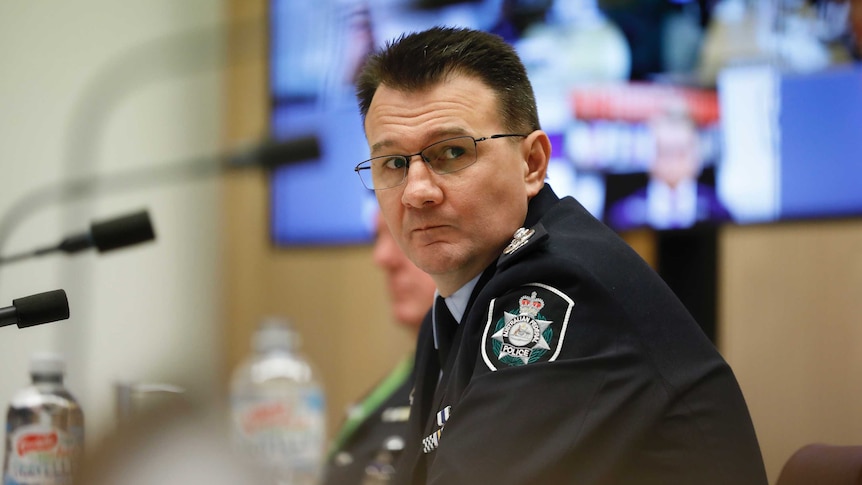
[(273, 153), (276, 153), (122, 231), (49, 306)]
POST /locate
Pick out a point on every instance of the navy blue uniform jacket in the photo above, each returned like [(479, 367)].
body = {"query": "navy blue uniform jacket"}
[(574, 363)]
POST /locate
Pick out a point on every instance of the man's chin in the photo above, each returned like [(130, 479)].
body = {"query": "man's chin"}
[(424, 258), (434, 267)]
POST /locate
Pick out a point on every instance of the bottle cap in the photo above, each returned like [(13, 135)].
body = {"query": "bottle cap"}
[(47, 363), (275, 333)]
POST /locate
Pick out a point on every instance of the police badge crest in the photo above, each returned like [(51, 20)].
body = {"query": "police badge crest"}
[(527, 328)]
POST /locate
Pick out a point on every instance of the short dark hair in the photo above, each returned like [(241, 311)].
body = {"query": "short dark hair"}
[(420, 60)]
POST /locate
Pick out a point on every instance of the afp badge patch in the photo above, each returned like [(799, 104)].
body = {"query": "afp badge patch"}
[(525, 326)]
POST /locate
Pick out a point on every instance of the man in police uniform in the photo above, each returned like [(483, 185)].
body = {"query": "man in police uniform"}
[(558, 355), (371, 439)]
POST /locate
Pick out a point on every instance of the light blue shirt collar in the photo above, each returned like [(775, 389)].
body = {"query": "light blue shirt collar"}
[(457, 303)]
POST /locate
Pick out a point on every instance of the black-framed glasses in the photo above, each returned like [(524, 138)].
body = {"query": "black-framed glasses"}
[(443, 157)]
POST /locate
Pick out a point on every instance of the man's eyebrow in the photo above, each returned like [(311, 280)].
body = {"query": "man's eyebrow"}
[(379, 145), (435, 135)]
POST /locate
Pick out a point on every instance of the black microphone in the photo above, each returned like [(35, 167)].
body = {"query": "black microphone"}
[(273, 153), (108, 235), (37, 309)]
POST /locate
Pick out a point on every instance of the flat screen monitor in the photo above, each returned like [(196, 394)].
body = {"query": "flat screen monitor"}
[(762, 146)]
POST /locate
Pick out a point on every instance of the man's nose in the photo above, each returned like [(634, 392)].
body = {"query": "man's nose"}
[(420, 187)]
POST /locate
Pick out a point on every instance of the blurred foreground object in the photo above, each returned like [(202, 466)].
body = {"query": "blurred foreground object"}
[(278, 409), (823, 464), (44, 428), (133, 398), (172, 444)]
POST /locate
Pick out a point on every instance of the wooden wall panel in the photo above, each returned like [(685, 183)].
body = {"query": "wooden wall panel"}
[(790, 316)]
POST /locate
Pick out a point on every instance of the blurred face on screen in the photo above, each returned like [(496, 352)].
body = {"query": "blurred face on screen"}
[(677, 150), (411, 290)]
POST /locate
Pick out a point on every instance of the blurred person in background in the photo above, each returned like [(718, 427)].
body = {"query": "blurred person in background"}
[(370, 440)]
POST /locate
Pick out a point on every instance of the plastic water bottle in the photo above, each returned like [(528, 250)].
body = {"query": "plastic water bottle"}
[(44, 428), (278, 407)]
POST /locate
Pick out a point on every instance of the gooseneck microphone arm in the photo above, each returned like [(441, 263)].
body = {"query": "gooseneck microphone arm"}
[(267, 155)]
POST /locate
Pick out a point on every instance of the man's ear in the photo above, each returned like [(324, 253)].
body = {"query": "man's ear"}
[(537, 154)]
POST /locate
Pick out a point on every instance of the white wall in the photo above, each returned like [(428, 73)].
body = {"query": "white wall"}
[(95, 86)]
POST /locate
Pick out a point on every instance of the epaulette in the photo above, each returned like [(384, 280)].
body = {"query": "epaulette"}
[(523, 242)]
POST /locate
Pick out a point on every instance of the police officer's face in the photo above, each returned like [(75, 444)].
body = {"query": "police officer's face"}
[(411, 290), (454, 225)]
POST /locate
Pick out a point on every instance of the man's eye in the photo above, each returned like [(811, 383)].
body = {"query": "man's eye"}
[(394, 163), (451, 152)]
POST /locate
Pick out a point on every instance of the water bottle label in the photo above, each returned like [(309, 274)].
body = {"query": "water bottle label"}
[(42, 454), (282, 432)]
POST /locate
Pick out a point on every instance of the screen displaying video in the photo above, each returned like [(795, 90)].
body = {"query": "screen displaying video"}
[(759, 146)]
